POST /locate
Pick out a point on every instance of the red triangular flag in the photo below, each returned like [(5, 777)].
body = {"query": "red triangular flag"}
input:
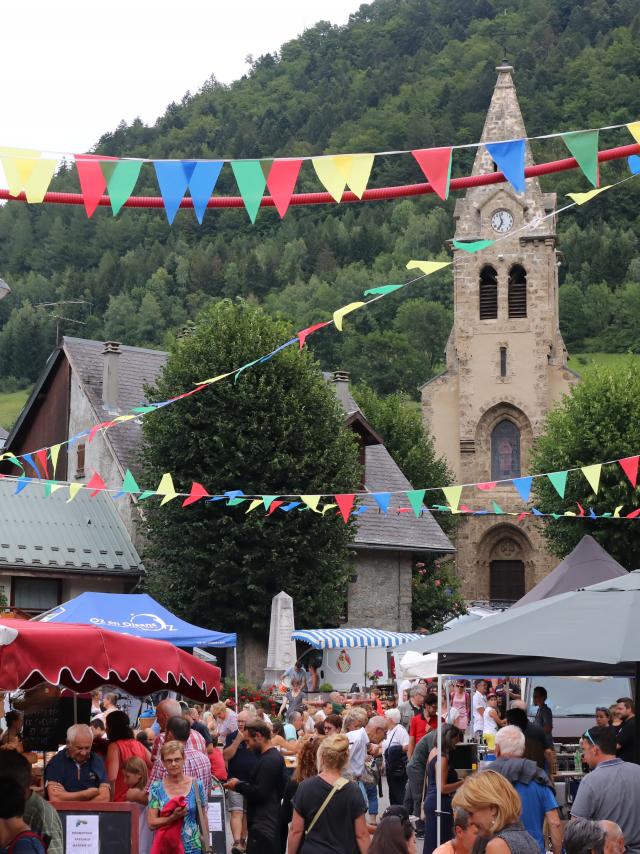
[(197, 492), (629, 466), (281, 181), (345, 503), (274, 506), (42, 459), (436, 165), (96, 484), (92, 180), (634, 514), (488, 486), (304, 333)]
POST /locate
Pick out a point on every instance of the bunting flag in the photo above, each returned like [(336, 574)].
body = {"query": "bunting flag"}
[(92, 179), (436, 166), (592, 474), (581, 198), (274, 506), (74, 489), (497, 509), (121, 176), (304, 333), (428, 267), (488, 486), (523, 486), (340, 313), (634, 130), (173, 179), (257, 502), (509, 158), (382, 499), (166, 489), (559, 481), (382, 290), (129, 484), (26, 171), (197, 492), (95, 485), (42, 458), (251, 182), (345, 504), (472, 245), (452, 496), (634, 164), (22, 483), (268, 500), (415, 497), (311, 501), (583, 145), (629, 466), (282, 181), (202, 184), (336, 173)]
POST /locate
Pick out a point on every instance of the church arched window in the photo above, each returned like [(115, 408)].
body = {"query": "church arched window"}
[(488, 293), (517, 291), (505, 451)]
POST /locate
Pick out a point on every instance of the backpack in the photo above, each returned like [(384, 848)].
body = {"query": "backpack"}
[(29, 834)]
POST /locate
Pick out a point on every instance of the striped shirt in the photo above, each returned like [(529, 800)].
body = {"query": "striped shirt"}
[(195, 742)]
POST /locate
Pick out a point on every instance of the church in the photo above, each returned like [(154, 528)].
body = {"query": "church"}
[(506, 363)]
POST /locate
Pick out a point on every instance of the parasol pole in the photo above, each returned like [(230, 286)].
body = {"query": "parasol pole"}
[(235, 674), (439, 764)]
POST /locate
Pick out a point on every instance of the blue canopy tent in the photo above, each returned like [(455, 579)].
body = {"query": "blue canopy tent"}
[(354, 639), (140, 615)]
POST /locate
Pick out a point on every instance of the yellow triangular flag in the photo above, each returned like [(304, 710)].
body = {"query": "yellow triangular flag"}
[(212, 380), (122, 418), (634, 130), (38, 182), (56, 486), (592, 474), (452, 495), (24, 170), (428, 267), (311, 501), (328, 507), (74, 489), (54, 451), (359, 172), (166, 488), (581, 198), (339, 314), (616, 512), (333, 173), (255, 503)]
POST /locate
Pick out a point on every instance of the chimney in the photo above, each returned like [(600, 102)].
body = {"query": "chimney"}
[(341, 377), (110, 375)]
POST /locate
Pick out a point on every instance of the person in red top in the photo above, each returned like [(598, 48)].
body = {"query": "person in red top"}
[(376, 702), (423, 722), (122, 746), (218, 768)]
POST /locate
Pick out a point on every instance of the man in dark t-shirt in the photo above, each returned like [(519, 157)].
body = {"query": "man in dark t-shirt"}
[(263, 790), (625, 737), (240, 764)]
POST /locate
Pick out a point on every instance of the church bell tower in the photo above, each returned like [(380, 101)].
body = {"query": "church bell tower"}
[(506, 362)]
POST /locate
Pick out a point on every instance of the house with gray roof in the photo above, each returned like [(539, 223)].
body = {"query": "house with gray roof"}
[(3, 436), (86, 382)]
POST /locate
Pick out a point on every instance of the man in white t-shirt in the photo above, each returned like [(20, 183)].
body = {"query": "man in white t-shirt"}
[(397, 737), (479, 705)]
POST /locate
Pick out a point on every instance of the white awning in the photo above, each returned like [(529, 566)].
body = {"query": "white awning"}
[(353, 638)]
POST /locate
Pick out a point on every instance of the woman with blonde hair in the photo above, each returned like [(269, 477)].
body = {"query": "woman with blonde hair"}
[(494, 807), (328, 810)]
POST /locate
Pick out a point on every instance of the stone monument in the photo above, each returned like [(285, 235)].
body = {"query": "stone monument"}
[(282, 650)]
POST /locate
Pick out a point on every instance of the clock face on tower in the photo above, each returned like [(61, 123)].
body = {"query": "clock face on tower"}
[(501, 221)]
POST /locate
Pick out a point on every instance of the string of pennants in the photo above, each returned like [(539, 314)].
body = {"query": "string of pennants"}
[(29, 172), (346, 504), (39, 459)]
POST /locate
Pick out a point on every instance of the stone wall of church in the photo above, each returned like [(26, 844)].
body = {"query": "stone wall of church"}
[(381, 595)]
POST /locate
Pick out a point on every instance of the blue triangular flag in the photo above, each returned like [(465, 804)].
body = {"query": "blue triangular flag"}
[(202, 183), (362, 509), (173, 180), (22, 483), (291, 506), (523, 485), (536, 512), (634, 164), (382, 499), (28, 458), (509, 158)]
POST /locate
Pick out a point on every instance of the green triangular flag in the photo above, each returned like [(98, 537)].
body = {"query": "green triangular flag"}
[(559, 481), (497, 509), (415, 497), (121, 178), (382, 289), (129, 483), (268, 500), (472, 245), (251, 182), (583, 144), (146, 494)]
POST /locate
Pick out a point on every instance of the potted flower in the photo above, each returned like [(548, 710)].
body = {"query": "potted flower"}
[(374, 677)]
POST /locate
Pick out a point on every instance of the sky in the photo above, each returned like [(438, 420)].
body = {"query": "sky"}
[(73, 70)]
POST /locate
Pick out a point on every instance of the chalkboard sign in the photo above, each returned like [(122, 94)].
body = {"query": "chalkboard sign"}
[(45, 728), (117, 825), (217, 820)]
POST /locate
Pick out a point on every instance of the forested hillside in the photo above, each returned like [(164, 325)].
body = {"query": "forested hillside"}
[(401, 74)]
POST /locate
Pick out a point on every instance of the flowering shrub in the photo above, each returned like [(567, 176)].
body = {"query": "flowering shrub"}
[(249, 694)]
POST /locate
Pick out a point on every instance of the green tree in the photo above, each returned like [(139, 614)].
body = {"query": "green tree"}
[(436, 595), (598, 421), (278, 429), (427, 325)]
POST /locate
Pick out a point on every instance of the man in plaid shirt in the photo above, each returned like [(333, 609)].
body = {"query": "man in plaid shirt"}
[(196, 763), (169, 709)]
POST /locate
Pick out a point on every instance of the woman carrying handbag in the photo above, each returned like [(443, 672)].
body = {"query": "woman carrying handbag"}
[(328, 810)]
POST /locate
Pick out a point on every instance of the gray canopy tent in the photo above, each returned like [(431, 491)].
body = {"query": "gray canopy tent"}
[(592, 631), (587, 564)]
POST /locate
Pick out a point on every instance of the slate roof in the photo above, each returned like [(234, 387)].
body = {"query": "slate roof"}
[(137, 367), (85, 535), (3, 436)]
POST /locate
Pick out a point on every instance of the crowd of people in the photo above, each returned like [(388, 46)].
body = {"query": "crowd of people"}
[(312, 783)]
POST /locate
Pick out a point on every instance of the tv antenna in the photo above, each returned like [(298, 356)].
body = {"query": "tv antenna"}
[(62, 317)]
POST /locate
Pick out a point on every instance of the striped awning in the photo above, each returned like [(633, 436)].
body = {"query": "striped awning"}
[(353, 638)]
